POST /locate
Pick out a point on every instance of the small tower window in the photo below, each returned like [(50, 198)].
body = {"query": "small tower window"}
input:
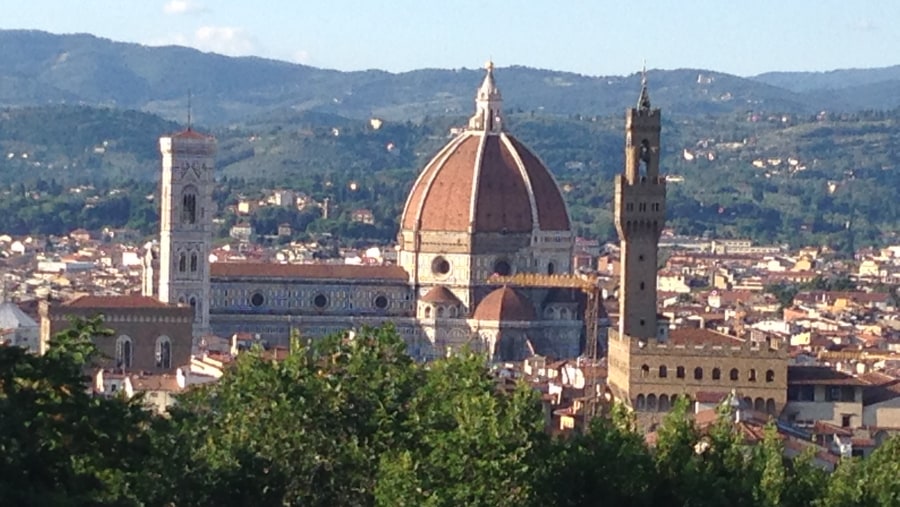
[(193, 262), (734, 374), (551, 268), (716, 374), (698, 373), (182, 263), (663, 372), (679, 372)]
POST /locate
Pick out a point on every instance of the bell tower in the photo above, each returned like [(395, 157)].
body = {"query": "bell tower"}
[(186, 212), (640, 213)]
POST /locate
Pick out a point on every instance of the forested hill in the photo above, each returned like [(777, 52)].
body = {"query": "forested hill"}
[(38, 68), (805, 179)]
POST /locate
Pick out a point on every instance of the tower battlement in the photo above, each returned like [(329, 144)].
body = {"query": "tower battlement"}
[(638, 116), (195, 145)]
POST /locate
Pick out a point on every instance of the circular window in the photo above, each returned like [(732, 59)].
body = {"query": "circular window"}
[(440, 266), (381, 302), (257, 299), (320, 301), (502, 268)]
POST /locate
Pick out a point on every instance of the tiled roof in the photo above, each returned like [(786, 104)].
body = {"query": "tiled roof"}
[(505, 304), (101, 302), (319, 271), (440, 294), (820, 375), (190, 134), (824, 428), (710, 396), (168, 383), (882, 388)]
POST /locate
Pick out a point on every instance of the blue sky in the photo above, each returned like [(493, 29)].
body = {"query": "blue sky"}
[(599, 37)]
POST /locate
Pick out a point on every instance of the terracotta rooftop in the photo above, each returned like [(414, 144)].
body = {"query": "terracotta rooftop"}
[(320, 271), (824, 428), (168, 383), (710, 396), (694, 336), (882, 387), (440, 294), (505, 304), (820, 375), (90, 301)]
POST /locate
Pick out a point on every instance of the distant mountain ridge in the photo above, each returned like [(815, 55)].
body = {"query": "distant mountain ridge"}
[(38, 68)]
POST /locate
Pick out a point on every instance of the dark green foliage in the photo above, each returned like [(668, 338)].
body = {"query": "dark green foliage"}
[(58, 444), (354, 422)]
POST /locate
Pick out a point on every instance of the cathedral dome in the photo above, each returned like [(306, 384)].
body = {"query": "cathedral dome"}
[(505, 304), (485, 180)]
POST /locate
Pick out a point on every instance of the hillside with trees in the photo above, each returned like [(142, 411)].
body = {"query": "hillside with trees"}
[(800, 179), (39, 68)]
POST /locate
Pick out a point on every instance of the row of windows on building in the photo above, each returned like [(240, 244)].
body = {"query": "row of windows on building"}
[(125, 352), (831, 393), (320, 301), (716, 374), (664, 402), (655, 206)]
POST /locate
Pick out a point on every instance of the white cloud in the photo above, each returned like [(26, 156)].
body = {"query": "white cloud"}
[(229, 41), (226, 40), (300, 56), (182, 7)]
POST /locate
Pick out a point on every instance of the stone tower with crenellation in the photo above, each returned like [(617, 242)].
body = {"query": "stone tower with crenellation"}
[(186, 212), (640, 214)]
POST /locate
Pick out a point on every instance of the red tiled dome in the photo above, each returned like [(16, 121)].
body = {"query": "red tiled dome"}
[(504, 304), (485, 180)]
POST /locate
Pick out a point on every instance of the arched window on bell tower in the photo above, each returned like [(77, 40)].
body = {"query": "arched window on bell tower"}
[(194, 262), (189, 205)]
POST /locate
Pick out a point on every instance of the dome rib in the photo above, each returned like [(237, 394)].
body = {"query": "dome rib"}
[(476, 180), (535, 217)]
